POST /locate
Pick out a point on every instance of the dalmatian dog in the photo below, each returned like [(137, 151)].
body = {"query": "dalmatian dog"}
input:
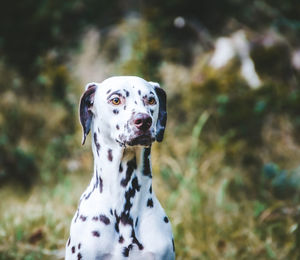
[(119, 216)]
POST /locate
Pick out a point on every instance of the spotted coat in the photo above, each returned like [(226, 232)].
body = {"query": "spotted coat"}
[(119, 216)]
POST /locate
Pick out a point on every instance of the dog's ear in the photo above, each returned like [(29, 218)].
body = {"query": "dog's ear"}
[(85, 109), (162, 113)]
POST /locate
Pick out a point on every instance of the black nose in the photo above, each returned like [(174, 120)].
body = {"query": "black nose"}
[(142, 121)]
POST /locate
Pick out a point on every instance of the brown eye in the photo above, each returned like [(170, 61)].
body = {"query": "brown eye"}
[(116, 101), (151, 101)]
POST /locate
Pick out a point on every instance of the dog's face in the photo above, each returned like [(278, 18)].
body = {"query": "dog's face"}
[(128, 110)]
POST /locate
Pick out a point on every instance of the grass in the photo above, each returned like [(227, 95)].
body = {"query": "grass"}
[(35, 225), (213, 214)]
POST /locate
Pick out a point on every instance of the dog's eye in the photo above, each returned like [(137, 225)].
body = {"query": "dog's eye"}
[(116, 101), (151, 101)]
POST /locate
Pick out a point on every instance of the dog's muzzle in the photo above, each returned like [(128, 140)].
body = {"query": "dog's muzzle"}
[(142, 134)]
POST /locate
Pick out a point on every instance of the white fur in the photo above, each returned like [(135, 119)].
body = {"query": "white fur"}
[(152, 231)]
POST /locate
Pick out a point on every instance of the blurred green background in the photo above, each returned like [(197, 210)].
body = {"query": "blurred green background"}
[(228, 170)]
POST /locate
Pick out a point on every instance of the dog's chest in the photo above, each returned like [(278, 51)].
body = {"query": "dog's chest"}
[(133, 225), (100, 233)]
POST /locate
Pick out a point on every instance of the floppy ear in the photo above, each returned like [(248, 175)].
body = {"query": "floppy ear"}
[(85, 109), (162, 113)]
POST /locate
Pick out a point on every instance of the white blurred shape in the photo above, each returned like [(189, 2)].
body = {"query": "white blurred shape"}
[(179, 22), (249, 73), (236, 45), (296, 59), (224, 52)]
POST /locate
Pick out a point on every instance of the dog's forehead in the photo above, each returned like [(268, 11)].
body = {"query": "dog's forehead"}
[(126, 83)]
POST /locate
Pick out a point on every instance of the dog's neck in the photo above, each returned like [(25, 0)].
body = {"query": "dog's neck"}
[(122, 175)]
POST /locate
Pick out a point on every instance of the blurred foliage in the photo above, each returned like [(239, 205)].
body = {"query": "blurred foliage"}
[(27, 130), (29, 29), (228, 169), (35, 37)]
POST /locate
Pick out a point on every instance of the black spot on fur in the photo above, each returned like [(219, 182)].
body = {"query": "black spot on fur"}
[(135, 102), (86, 197), (96, 233), (109, 156), (117, 227), (173, 245), (77, 215), (131, 166), (97, 180), (139, 92), (144, 99), (104, 219), (101, 185), (120, 143), (79, 245), (120, 168), (108, 91), (135, 241), (150, 203), (151, 111), (116, 111), (111, 212), (128, 194), (121, 239), (83, 218), (135, 184), (96, 143), (118, 127), (150, 189), (124, 107), (146, 162), (127, 93), (94, 187), (136, 221), (166, 219), (117, 222), (126, 251), (95, 218), (73, 249), (69, 241), (79, 256), (126, 219)]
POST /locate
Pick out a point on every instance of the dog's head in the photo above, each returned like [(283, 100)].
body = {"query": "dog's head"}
[(127, 110)]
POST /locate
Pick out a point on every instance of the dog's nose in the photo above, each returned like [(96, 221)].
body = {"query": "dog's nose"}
[(142, 121)]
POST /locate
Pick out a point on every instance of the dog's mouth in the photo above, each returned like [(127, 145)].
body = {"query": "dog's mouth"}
[(144, 139)]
